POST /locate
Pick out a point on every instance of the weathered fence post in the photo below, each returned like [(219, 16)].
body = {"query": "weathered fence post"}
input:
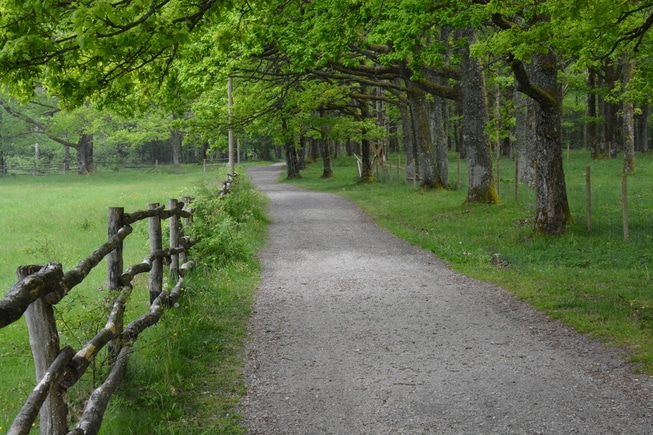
[(185, 223), (174, 240), (114, 259), (44, 341), (156, 245)]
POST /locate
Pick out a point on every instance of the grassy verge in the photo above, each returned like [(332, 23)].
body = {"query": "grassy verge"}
[(184, 377), (595, 281)]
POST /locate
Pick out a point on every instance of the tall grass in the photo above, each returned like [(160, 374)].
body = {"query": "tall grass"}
[(595, 281), (63, 219)]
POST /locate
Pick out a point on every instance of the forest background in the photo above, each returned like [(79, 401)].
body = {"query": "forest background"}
[(143, 81)]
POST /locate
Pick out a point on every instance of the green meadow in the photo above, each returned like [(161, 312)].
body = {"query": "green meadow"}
[(593, 280)]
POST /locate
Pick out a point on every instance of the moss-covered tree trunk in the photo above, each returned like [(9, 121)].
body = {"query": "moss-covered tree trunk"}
[(541, 83), (476, 142), (423, 140), (408, 139)]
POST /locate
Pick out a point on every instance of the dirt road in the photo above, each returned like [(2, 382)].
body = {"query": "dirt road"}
[(357, 332)]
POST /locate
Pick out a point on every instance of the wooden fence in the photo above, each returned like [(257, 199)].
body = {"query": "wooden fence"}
[(40, 287)]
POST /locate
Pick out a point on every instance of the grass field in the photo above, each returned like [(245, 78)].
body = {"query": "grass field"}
[(595, 281), (63, 219)]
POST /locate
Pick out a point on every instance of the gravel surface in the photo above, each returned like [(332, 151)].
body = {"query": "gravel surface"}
[(355, 331)]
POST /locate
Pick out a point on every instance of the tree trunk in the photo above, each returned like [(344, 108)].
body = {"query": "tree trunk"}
[(629, 122), (641, 130), (327, 170), (424, 143), (541, 83), (609, 111), (408, 139), (591, 122), (85, 163), (476, 142), (175, 141), (526, 139), (313, 150), (66, 159), (439, 132)]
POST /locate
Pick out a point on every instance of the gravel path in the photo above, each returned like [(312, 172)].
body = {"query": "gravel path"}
[(355, 331)]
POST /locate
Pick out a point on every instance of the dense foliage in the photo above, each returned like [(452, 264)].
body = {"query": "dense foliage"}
[(430, 75)]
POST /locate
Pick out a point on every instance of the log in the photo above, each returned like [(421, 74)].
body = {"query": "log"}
[(156, 244), (91, 420), (130, 218), (133, 330), (175, 230), (175, 293), (186, 267), (112, 330), (114, 259), (22, 424), (77, 275), (45, 283)]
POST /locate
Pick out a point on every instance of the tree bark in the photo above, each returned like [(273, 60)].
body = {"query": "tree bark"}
[(85, 163), (423, 141), (367, 171), (641, 130), (327, 169), (526, 139), (439, 133), (408, 138), (44, 341), (591, 123), (175, 141), (609, 111), (476, 142), (629, 122), (541, 83)]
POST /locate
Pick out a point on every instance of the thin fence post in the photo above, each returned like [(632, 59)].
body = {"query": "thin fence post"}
[(174, 240), (44, 341), (398, 165), (624, 203), (516, 177), (588, 198), (156, 245), (115, 258), (185, 223), (458, 165), (498, 182)]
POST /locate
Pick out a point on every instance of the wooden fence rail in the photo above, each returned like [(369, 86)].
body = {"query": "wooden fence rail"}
[(40, 287)]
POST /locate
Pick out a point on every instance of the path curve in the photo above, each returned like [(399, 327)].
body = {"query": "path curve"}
[(355, 331)]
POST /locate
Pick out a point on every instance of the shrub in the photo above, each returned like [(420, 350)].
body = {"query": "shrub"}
[(219, 223)]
